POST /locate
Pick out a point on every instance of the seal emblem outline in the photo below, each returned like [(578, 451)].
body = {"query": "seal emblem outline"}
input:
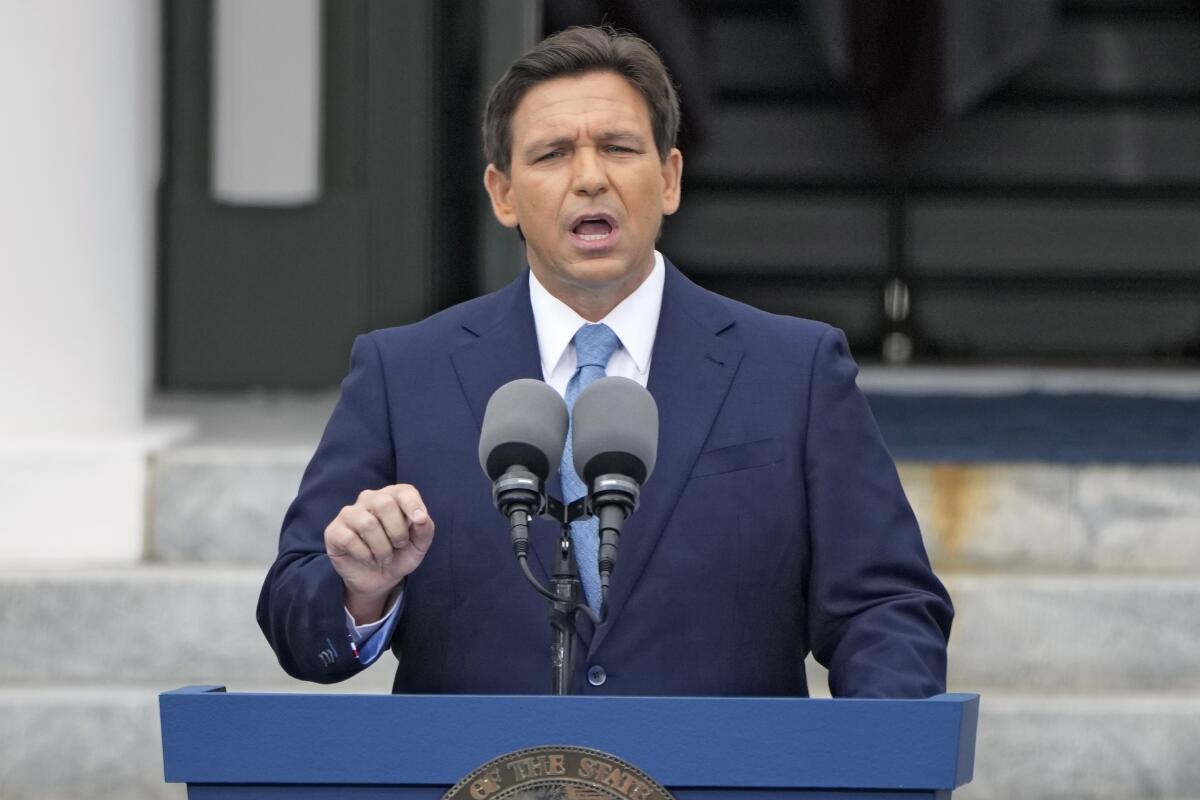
[(551, 772)]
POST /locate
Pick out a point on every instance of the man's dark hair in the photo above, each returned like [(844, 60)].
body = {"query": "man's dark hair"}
[(576, 51)]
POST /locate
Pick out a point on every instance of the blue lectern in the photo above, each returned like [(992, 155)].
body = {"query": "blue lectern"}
[(415, 747)]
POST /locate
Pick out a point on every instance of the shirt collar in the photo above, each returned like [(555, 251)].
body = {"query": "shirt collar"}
[(634, 320)]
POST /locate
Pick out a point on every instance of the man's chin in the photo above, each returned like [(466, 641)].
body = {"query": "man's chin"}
[(609, 269), (592, 272)]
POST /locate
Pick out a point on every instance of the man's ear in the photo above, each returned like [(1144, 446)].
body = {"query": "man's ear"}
[(672, 173), (499, 188)]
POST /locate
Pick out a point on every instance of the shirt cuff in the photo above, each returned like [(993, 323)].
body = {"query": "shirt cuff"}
[(371, 639)]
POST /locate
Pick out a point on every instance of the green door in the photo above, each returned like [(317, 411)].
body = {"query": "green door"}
[(272, 296)]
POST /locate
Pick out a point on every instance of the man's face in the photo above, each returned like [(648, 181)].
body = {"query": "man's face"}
[(586, 185)]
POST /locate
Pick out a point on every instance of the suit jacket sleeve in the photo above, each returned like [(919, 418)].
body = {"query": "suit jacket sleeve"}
[(301, 607), (879, 618)]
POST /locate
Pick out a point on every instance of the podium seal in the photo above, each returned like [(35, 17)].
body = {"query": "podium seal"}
[(557, 773)]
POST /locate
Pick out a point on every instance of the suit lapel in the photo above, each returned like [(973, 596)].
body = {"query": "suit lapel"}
[(504, 348), (690, 374)]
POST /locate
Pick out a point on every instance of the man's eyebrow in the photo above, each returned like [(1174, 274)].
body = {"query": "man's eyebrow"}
[(625, 136), (621, 136), (548, 144)]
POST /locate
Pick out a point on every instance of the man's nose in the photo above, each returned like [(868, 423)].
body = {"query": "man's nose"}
[(589, 177)]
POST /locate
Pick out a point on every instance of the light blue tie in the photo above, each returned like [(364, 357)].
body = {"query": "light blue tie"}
[(594, 345)]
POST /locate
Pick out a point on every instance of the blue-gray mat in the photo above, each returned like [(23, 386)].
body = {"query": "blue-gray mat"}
[(1066, 428)]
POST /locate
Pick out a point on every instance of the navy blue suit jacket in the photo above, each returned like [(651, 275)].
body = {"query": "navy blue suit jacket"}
[(774, 522)]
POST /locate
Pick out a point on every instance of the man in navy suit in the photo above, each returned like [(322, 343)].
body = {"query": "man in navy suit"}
[(774, 523)]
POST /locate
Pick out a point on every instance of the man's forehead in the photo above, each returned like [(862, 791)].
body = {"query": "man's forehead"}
[(593, 123), (594, 101)]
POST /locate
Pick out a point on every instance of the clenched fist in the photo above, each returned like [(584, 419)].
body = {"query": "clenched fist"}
[(375, 543)]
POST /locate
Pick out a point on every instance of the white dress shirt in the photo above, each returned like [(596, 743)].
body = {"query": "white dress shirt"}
[(634, 321)]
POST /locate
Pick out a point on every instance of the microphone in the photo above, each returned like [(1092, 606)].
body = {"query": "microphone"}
[(615, 445), (520, 448)]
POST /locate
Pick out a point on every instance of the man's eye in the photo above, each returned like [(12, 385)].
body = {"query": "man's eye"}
[(616, 148), (551, 155)]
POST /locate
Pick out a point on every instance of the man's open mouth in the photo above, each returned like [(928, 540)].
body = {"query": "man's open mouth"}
[(594, 228)]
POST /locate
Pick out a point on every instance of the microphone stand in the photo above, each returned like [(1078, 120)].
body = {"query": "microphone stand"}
[(565, 592), (565, 586)]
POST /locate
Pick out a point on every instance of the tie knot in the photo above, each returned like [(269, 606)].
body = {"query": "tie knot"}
[(594, 345)]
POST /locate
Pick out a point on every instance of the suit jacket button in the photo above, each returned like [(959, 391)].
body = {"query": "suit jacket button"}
[(596, 675)]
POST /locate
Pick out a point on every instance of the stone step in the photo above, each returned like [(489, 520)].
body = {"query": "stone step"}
[(1074, 634), (95, 741), (169, 626), (1046, 147), (152, 625), (1087, 58), (1058, 517), (1104, 748), (99, 743), (103, 743), (224, 503), (797, 233)]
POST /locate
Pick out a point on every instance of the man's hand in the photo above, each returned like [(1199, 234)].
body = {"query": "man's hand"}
[(375, 543)]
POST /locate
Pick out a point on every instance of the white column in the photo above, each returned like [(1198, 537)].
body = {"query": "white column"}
[(79, 155)]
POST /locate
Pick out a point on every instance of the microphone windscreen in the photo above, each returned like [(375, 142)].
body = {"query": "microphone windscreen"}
[(615, 430), (525, 424)]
